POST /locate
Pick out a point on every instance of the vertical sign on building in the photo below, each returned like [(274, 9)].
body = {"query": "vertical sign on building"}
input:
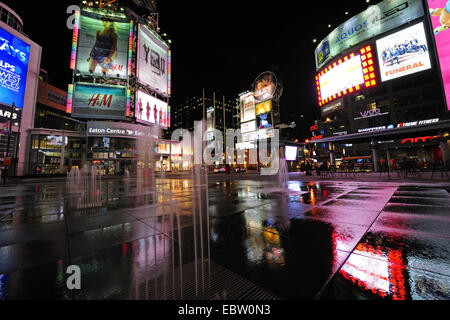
[(440, 19)]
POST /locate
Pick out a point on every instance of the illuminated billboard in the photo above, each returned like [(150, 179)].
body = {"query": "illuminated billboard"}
[(347, 75), (103, 44), (265, 86), (264, 107), (248, 111), (291, 153), (150, 110), (153, 61), (265, 121), (440, 18), (375, 20), (99, 101), (403, 53), (14, 56), (248, 127)]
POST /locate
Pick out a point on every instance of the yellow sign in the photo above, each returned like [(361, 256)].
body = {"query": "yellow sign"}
[(264, 107)]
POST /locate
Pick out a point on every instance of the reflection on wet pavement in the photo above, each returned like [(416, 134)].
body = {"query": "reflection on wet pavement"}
[(203, 239)]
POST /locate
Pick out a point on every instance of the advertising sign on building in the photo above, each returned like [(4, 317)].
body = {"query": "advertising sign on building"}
[(376, 20), (150, 110), (99, 102), (103, 44), (248, 127), (8, 113), (153, 62), (265, 107), (14, 57), (440, 18), (332, 107), (265, 86), (403, 53), (248, 110)]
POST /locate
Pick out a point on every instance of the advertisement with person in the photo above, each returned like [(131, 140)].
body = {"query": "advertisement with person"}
[(153, 62), (103, 44), (265, 86), (150, 110), (403, 53), (14, 56), (440, 18), (375, 20), (99, 102)]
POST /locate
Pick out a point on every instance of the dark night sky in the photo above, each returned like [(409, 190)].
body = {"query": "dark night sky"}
[(217, 45)]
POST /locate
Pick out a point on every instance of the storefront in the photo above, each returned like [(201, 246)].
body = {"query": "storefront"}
[(55, 152)]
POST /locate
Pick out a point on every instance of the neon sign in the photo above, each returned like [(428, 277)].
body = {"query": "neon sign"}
[(420, 139)]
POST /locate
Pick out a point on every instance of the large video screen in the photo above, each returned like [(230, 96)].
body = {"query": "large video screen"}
[(103, 44), (291, 153), (343, 77), (14, 56), (153, 62), (348, 74), (375, 20), (440, 18), (248, 111), (99, 102), (150, 110), (403, 53)]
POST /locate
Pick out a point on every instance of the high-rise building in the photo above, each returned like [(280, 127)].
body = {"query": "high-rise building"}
[(220, 112)]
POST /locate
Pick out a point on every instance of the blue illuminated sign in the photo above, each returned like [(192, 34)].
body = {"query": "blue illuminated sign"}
[(14, 57)]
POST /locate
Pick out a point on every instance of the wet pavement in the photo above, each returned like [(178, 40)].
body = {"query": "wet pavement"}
[(221, 239)]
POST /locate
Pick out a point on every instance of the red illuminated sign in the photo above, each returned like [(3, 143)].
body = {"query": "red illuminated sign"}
[(314, 128), (368, 68), (105, 3), (316, 138), (420, 139)]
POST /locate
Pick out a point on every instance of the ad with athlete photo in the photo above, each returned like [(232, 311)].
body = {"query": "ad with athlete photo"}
[(153, 62), (14, 56), (403, 53), (103, 45)]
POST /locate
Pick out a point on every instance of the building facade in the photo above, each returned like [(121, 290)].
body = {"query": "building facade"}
[(381, 98)]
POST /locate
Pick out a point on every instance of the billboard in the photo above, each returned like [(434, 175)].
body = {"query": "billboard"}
[(103, 44), (403, 53), (150, 110), (264, 107), (14, 57), (347, 75), (99, 101), (265, 121), (291, 153), (265, 86), (248, 110), (248, 127), (440, 18), (153, 61), (377, 19)]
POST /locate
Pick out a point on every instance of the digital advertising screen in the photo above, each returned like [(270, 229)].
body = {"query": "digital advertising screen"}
[(14, 57), (347, 75), (264, 107), (265, 121), (153, 62), (150, 110), (103, 44), (403, 53), (264, 87), (99, 102), (375, 20), (291, 153), (440, 18)]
